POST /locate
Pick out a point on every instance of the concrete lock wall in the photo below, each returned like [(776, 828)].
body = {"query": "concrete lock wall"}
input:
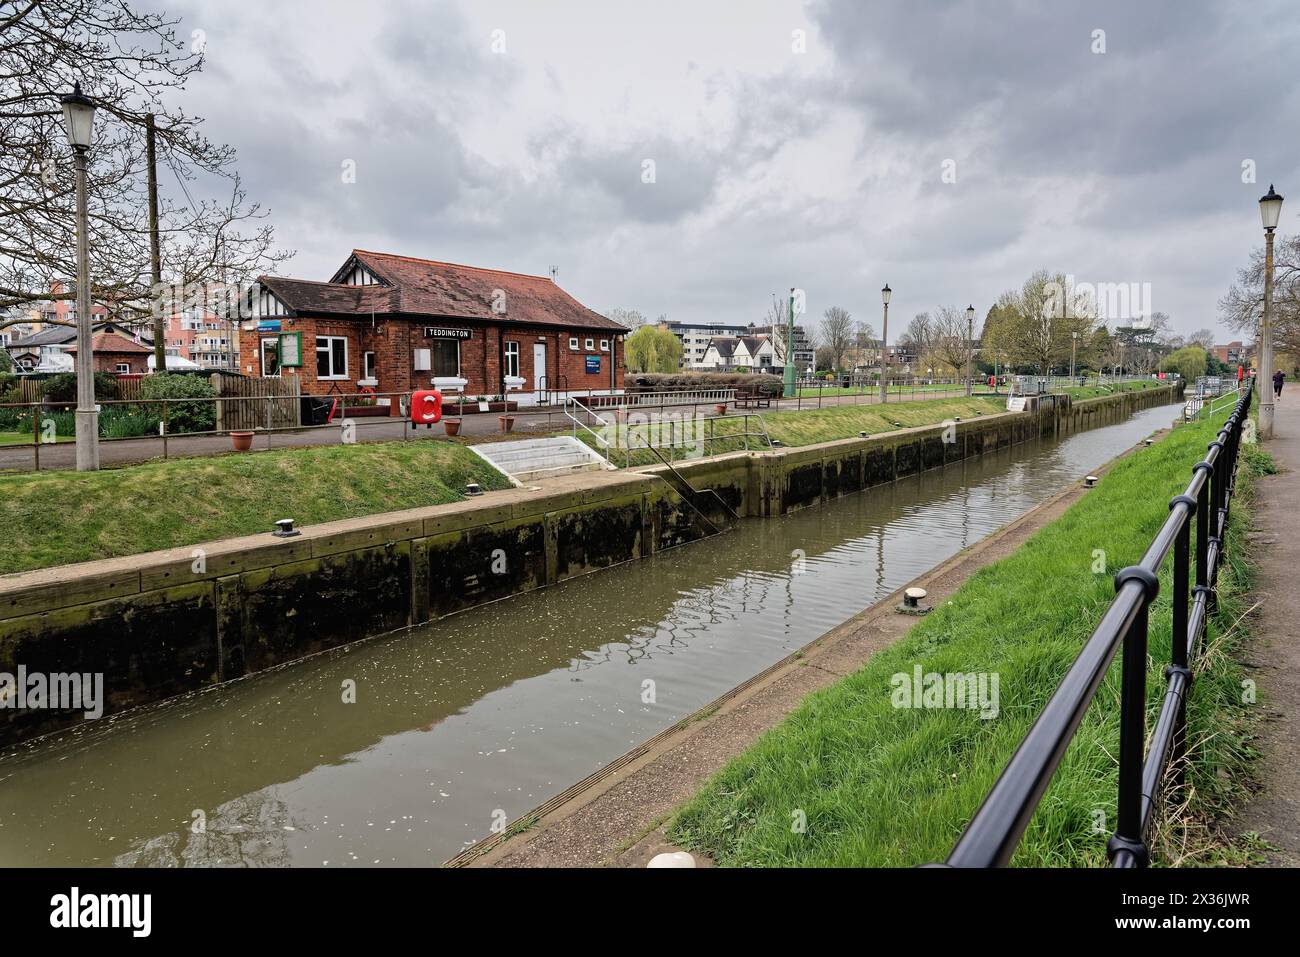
[(170, 622)]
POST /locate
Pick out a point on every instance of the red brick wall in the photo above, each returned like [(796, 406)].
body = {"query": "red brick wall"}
[(108, 362), (394, 342)]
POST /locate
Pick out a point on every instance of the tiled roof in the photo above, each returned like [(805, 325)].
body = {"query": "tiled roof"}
[(112, 342), (423, 287), (303, 295), (724, 345), (53, 336)]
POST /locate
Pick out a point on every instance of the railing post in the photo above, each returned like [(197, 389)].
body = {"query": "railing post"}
[(36, 439), (1203, 537), (1179, 658), (166, 424), (1127, 842)]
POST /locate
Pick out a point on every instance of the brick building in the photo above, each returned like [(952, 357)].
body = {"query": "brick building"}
[(113, 352), (397, 324)]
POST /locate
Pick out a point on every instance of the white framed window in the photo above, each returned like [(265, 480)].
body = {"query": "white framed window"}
[(512, 359), (331, 357), (123, 367), (445, 355), (367, 365), (270, 356), (573, 343), (591, 344), (604, 345)]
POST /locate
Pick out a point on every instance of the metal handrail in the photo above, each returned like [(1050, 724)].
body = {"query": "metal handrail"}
[(994, 832), (689, 499), (572, 402)]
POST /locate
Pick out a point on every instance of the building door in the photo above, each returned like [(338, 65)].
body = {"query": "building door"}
[(539, 367)]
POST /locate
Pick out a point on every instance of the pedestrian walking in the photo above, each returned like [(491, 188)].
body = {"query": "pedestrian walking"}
[(1278, 376)]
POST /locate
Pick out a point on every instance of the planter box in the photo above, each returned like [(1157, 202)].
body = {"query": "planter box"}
[(472, 408), (364, 411)]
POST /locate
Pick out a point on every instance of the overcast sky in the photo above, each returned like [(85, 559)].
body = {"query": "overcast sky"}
[(793, 144)]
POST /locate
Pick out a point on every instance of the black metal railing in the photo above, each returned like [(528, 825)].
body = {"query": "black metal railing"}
[(996, 829)]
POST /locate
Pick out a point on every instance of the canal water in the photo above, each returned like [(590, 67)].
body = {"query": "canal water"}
[(478, 718)]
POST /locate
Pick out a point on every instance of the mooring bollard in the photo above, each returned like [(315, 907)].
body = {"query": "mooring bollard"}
[(284, 529)]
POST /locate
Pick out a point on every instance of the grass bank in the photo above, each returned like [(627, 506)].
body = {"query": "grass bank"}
[(1096, 391), (810, 426), (886, 786), (57, 517)]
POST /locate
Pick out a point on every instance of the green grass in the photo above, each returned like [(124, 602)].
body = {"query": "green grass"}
[(1094, 391), (56, 517), (829, 391), (810, 426), (885, 786)]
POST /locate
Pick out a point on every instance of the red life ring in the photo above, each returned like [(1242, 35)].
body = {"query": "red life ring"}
[(426, 407), (365, 390)]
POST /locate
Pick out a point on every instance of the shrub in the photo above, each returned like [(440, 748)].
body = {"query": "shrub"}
[(63, 387), (690, 381), (182, 416)]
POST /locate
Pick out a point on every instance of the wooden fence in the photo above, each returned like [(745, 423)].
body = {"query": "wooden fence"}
[(253, 403)]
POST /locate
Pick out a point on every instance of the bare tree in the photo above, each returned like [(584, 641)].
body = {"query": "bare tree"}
[(951, 346), (631, 318), (837, 334), (1204, 338), (1243, 304), (126, 61), (919, 339)]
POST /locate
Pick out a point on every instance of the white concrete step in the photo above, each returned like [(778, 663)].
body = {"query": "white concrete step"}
[(529, 459)]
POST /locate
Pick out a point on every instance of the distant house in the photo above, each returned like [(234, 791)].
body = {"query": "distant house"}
[(1230, 354), (695, 339), (115, 352), (395, 324), (43, 351), (744, 353)]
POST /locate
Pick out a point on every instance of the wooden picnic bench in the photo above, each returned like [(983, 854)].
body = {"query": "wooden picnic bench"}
[(753, 400)]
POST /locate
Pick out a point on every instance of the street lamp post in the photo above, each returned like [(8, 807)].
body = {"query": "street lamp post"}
[(970, 343), (79, 122), (1074, 348), (1270, 211), (884, 346)]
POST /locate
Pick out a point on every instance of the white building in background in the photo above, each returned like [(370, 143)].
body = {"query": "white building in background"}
[(740, 353), (695, 338)]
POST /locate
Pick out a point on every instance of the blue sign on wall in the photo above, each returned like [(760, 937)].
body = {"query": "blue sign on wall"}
[(268, 325), (593, 364)]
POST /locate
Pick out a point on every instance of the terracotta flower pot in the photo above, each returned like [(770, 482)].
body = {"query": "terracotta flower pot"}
[(507, 422), (720, 408), (241, 441), (452, 426)]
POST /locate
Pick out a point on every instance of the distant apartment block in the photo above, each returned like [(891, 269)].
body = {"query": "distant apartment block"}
[(695, 339)]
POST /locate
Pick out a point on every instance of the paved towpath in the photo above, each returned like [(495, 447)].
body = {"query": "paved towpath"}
[(1275, 650)]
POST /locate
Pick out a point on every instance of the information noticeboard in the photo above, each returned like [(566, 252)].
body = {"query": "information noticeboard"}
[(290, 350), (593, 364)]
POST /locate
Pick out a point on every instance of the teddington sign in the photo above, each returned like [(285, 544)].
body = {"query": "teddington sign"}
[(442, 332)]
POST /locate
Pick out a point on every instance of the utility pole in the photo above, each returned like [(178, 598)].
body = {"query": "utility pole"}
[(1074, 348), (155, 253)]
